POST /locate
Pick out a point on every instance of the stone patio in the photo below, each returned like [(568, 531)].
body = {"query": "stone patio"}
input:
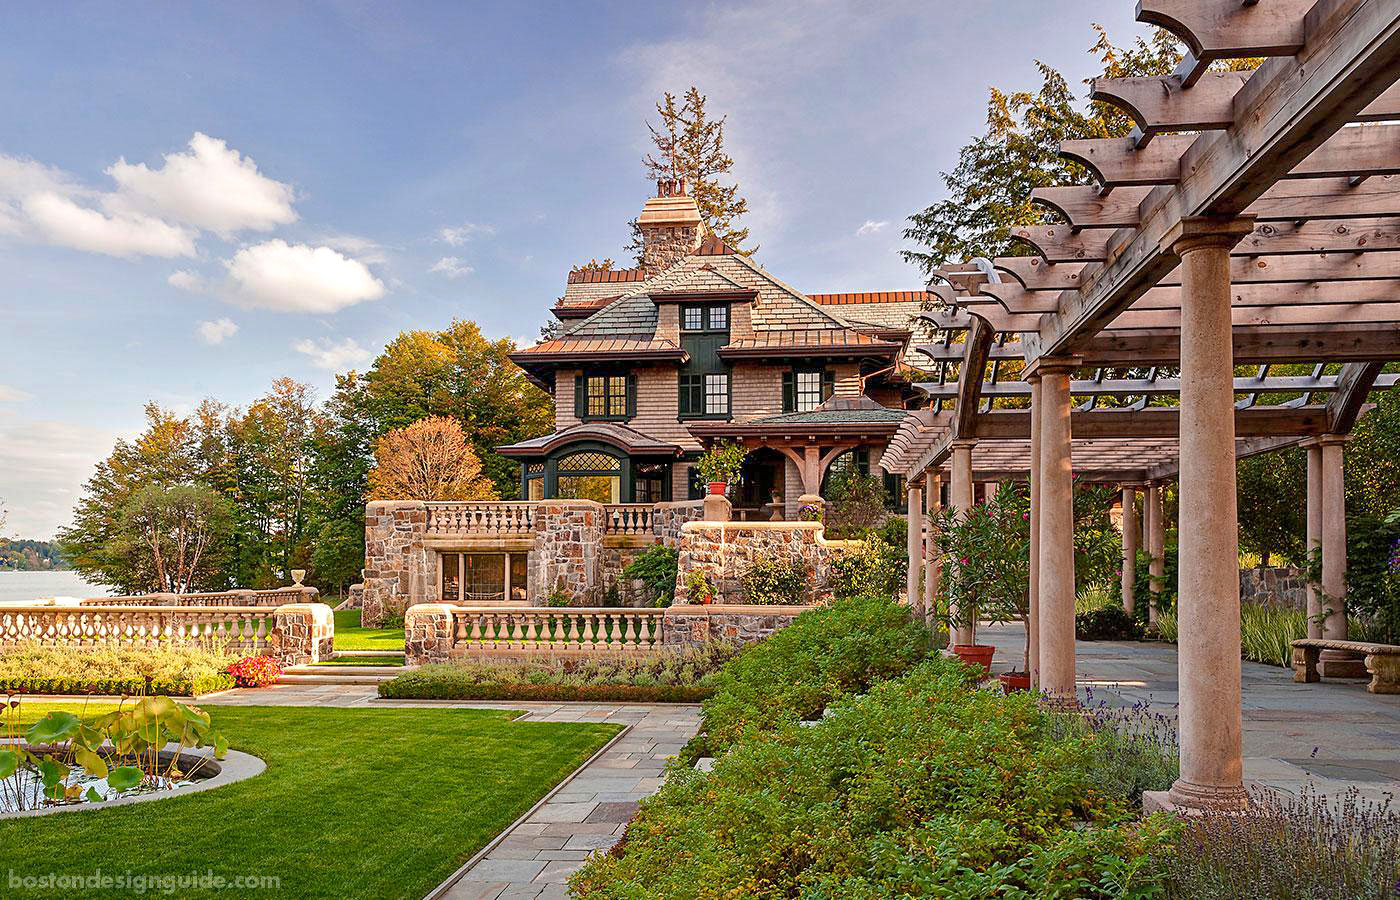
[(1332, 733)]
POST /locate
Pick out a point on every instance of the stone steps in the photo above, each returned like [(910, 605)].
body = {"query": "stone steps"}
[(338, 674)]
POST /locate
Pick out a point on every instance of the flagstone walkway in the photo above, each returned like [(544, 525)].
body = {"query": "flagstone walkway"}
[(588, 812), (1333, 733)]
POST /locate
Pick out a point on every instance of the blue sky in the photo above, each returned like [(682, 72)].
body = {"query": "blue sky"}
[(198, 198)]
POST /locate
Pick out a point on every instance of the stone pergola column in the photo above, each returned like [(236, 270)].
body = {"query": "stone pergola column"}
[(1314, 541), (960, 497), (914, 544), (1208, 596), (1056, 526), (932, 561), (1335, 663), (1130, 548), (1033, 620), (1155, 528)]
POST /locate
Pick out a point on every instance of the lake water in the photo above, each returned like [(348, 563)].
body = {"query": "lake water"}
[(23, 586)]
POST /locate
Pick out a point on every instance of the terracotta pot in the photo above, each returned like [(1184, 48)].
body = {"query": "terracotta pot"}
[(718, 488), (1015, 681), (975, 655)]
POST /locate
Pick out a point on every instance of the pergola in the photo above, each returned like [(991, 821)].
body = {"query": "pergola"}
[(1252, 218)]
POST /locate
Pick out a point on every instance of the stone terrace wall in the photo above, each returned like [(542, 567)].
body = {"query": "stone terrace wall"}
[(690, 625), (668, 518), (398, 571), (725, 550), (568, 554), (1274, 586)]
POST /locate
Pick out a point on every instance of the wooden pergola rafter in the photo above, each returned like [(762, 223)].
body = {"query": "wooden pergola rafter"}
[(1251, 218)]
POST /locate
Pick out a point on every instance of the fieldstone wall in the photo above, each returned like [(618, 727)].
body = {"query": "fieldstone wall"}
[(302, 633), (688, 626), (427, 633), (1275, 587), (398, 568), (667, 519), (725, 550), (568, 553)]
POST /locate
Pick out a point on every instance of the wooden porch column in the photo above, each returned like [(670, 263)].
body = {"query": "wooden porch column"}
[(932, 561), (1130, 547), (1033, 620), (961, 499), (1155, 526), (914, 544), (1056, 525), (1208, 598), (1314, 541)]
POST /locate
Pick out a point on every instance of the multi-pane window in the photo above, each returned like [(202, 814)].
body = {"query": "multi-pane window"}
[(809, 391), (483, 577), (603, 396), (717, 394), (705, 318), (806, 389)]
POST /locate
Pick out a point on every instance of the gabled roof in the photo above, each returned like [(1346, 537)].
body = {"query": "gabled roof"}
[(705, 280)]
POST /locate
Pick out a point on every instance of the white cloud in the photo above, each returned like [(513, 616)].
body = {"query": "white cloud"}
[(60, 220), (366, 250), (217, 331), (212, 187), (186, 280), (43, 466), (298, 278), (459, 234), (331, 356), (870, 227), (452, 267), (13, 394)]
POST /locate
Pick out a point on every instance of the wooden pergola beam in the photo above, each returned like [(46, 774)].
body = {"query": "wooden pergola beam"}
[(1227, 29), (1033, 274), (1285, 111), (1137, 387), (1116, 162), (975, 351), (1281, 290), (1353, 385), (1154, 422)]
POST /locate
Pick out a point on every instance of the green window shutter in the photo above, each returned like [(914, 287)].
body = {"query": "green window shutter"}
[(631, 396), (580, 395), (789, 392), (828, 384), (684, 398)]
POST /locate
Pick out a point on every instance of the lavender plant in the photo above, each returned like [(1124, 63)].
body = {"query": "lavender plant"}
[(1289, 848)]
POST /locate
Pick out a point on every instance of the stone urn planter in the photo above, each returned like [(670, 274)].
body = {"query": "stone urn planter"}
[(975, 655), (1014, 681)]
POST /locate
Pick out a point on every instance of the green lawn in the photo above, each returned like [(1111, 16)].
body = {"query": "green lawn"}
[(363, 661), (354, 803), (350, 636)]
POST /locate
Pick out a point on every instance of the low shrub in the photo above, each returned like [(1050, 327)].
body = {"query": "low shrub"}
[(877, 567), (1267, 632), (921, 787), (776, 581), (1107, 623), (1287, 847), (175, 671), (657, 567), (255, 671), (670, 677), (825, 654)]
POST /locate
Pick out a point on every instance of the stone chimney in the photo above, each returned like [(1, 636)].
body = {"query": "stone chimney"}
[(671, 227)]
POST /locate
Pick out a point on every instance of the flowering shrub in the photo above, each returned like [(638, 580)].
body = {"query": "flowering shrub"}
[(781, 581), (255, 671)]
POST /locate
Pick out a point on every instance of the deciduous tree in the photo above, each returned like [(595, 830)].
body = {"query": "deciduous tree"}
[(171, 536), (428, 460)]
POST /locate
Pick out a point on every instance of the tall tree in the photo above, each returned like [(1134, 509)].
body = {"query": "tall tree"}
[(1272, 489), (690, 145), (171, 537), (428, 460), (989, 188)]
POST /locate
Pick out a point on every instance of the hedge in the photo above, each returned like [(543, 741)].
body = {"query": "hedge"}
[(116, 687), (411, 687)]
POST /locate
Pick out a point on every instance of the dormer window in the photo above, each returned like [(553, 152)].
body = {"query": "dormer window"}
[(806, 389), (705, 318), (604, 396)]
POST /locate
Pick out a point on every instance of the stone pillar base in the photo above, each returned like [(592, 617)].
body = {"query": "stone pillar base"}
[(1341, 664), (1185, 798), (1058, 703), (718, 508)]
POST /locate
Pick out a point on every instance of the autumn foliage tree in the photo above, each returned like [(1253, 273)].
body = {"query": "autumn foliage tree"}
[(430, 459)]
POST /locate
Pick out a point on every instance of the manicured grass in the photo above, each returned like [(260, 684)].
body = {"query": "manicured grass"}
[(354, 803), (363, 661), (350, 636)]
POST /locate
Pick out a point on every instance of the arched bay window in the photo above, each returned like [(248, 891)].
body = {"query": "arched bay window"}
[(595, 470), (589, 475)]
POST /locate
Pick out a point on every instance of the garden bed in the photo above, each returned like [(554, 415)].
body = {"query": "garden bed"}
[(669, 677), (171, 671)]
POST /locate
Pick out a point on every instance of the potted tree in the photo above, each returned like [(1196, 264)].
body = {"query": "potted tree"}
[(986, 572), (720, 465)]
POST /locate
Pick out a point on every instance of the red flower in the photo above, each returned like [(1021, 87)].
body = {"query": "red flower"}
[(255, 671)]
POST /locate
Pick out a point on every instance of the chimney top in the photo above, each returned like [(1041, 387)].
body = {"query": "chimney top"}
[(672, 187), (671, 227)]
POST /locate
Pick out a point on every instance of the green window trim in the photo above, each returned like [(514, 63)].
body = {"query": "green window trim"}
[(798, 392), (605, 396)]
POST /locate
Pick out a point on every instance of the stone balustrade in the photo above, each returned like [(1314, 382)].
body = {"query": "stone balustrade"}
[(628, 518), (274, 597), (435, 632), (295, 633), (483, 518)]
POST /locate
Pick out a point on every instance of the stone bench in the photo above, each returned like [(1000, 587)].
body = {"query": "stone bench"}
[(1382, 661)]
